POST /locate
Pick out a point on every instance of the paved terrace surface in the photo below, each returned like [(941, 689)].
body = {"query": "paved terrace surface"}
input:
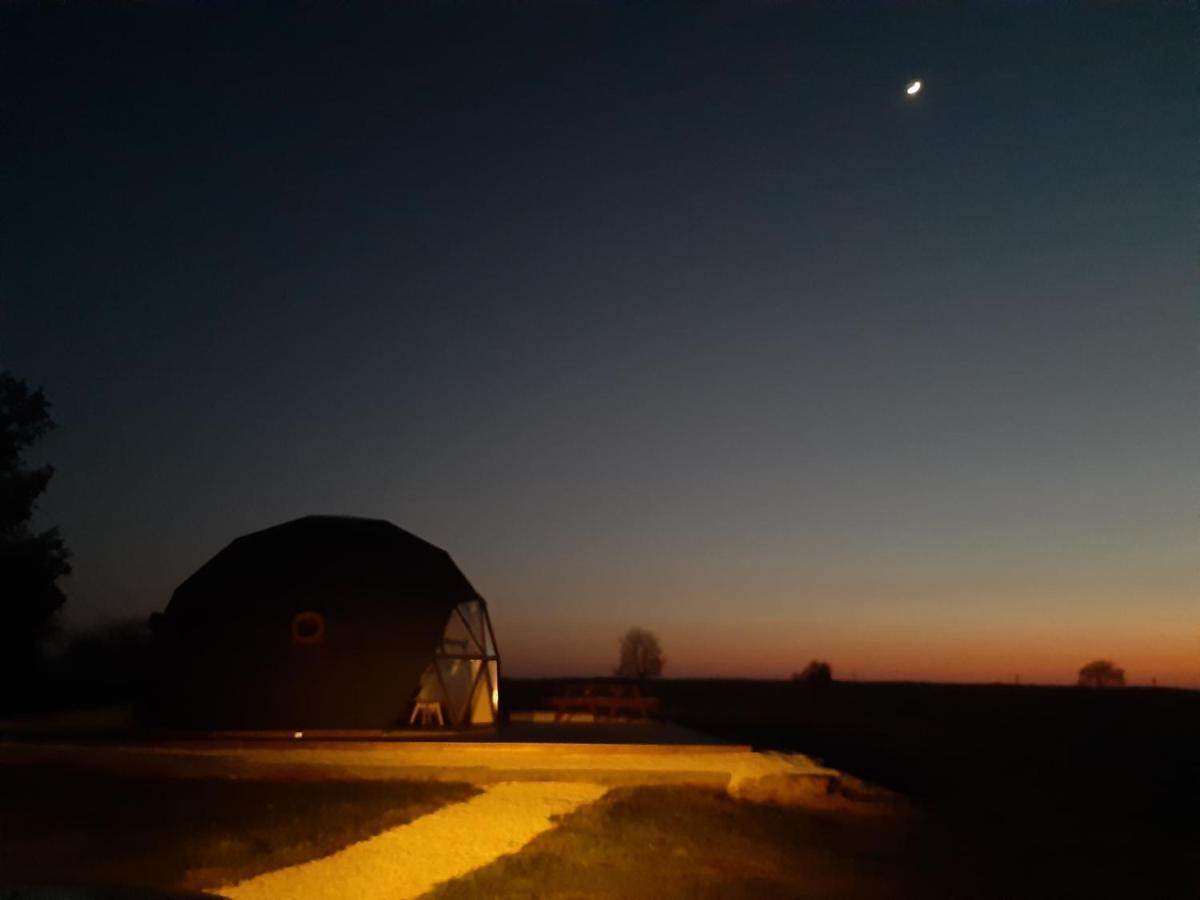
[(480, 763), (116, 724), (608, 754)]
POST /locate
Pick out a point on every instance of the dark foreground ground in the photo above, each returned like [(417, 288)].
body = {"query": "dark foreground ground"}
[(1025, 791), (84, 827), (1011, 793), (648, 843), (106, 830)]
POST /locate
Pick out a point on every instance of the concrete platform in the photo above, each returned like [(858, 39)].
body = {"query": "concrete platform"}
[(489, 762), (116, 725), (604, 753)]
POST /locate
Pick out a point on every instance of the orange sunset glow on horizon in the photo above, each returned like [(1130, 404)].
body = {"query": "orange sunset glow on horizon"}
[(776, 653)]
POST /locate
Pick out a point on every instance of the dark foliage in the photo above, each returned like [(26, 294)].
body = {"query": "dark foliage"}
[(30, 562)]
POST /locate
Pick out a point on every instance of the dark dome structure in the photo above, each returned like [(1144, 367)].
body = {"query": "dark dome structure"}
[(325, 622)]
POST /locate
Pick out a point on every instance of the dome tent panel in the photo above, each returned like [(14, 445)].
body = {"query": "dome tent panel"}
[(482, 709), (463, 677), (323, 622), (456, 679)]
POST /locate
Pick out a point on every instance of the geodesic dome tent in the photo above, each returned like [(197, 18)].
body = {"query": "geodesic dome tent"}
[(325, 622)]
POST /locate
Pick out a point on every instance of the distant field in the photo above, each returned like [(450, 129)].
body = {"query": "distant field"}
[(63, 826), (1050, 792)]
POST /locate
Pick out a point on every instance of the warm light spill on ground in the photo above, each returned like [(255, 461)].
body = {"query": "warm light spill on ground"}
[(409, 860)]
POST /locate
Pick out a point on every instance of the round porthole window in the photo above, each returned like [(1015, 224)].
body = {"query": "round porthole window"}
[(308, 627)]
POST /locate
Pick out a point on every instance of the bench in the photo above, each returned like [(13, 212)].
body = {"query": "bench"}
[(603, 701)]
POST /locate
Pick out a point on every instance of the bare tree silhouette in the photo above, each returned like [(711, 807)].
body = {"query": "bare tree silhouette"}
[(641, 655)]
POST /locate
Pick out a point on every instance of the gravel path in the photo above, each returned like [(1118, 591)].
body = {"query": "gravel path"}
[(409, 860)]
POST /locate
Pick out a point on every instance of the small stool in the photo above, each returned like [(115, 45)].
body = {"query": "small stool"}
[(427, 710)]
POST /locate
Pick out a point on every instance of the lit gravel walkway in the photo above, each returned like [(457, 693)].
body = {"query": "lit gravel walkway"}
[(409, 860)]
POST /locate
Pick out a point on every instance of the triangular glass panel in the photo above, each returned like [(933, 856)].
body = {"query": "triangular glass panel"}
[(456, 640), (458, 681), (481, 708), (493, 685), (471, 613), (429, 689)]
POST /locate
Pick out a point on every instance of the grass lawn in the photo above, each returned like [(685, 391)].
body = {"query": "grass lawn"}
[(64, 826), (657, 842)]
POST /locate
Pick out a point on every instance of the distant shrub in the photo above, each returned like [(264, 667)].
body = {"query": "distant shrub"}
[(816, 672), (1101, 673)]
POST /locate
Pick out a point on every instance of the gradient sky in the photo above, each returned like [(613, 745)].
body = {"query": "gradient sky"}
[(687, 319)]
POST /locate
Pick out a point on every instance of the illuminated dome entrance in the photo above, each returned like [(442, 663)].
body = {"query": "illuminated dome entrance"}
[(464, 676)]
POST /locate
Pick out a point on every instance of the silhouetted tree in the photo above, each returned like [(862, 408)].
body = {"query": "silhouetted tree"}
[(641, 655), (816, 672), (30, 562), (1101, 673)]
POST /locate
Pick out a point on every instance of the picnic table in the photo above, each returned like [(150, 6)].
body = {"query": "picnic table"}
[(604, 700)]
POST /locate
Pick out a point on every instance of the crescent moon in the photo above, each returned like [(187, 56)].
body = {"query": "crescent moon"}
[(913, 87)]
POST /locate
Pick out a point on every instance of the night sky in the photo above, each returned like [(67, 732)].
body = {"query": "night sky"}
[(687, 319)]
